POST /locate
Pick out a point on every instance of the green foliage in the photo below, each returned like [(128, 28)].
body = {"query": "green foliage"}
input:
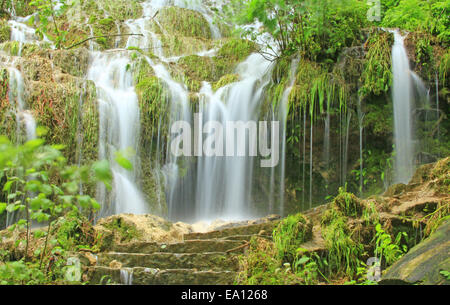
[(290, 234), (40, 186), (125, 231), (376, 77), (344, 253), (183, 22), (225, 80), (48, 12), (348, 203), (413, 15), (386, 248), (21, 273), (262, 266), (445, 274), (316, 29)]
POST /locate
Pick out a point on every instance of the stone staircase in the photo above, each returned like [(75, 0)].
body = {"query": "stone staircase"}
[(201, 258)]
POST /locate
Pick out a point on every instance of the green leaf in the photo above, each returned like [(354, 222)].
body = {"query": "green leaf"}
[(33, 144), (303, 260), (71, 187), (7, 186), (84, 201), (103, 172), (11, 207), (2, 207), (122, 161)]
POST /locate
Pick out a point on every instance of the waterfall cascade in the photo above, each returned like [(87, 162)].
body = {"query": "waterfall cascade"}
[(408, 90), (402, 98), (119, 129)]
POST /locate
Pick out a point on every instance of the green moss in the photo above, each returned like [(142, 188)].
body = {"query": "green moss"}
[(124, 231), (183, 22), (290, 234), (225, 80), (199, 68), (236, 50), (377, 75), (174, 45), (348, 203), (74, 62), (10, 47), (441, 175), (5, 31), (217, 69), (343, 252), (7, 114)]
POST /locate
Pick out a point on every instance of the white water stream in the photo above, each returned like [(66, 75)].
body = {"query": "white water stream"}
[(403, 100)]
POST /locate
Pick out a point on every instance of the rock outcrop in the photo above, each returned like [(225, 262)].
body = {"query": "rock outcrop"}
[(423, 263)]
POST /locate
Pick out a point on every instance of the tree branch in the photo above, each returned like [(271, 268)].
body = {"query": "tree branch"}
[(103, 36)]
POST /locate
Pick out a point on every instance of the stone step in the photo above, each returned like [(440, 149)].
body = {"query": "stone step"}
[(150, 276), (216, 261), (243, 238), (188, 246), (255, 229)]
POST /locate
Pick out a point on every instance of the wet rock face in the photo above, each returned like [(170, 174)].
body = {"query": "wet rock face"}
[(423, 263)]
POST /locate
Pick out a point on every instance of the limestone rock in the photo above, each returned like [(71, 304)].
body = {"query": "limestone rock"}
[(423, 263)]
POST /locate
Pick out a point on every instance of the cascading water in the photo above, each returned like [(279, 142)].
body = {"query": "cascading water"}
[(402, 98), (209, 187), (119, 127), (223, 185), (215, 186), (24, 116), (284, 112)]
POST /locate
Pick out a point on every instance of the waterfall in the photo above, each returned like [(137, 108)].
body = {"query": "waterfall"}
[(403, 99), (304, 154), (437, 107), (23, 116), (223, 184), (22, 33), (284, 112), (326, 143), (126, 276), (311, 160), (361, 127), (119, 129)]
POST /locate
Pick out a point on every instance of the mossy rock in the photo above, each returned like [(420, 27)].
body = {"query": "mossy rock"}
[(179, 21), (200, 68), (12, 48), (441, 175), (237, 49), (8, 126), (124, 231), (74, 62), (5, 31), (217, 69), (424, 262), (174, 45), (290, 233), (225, 80), (348, 204), (395, 189)]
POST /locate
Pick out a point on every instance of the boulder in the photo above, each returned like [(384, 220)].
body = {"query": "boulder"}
[(424, 262)]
